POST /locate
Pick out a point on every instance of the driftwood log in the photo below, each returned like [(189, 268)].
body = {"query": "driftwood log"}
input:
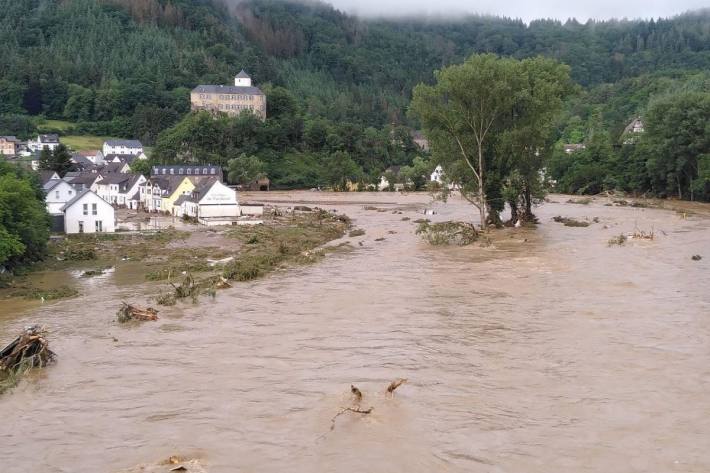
[(29, 350), (130, 312)]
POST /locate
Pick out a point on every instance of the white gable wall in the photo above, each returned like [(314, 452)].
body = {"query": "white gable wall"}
[(58, 196), (77, 213), (219, 201)]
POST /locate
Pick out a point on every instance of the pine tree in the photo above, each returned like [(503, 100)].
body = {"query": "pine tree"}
[(45, 159), (61, 160)]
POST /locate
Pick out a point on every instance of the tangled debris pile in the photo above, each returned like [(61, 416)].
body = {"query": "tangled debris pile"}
[(448, 233), (27, 351), (129, 312)]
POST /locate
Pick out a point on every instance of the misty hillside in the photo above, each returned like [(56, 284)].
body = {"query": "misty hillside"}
[(98, 60)]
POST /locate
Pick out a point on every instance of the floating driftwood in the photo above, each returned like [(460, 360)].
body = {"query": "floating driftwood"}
[(130, 312), (395, 384), (342, 411), (29, 350)]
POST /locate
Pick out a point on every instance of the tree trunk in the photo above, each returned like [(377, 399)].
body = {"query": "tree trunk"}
[(513, 211), (529, 217), (481, 190)]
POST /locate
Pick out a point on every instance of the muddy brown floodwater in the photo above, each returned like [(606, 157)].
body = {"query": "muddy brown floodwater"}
[(555, 354)]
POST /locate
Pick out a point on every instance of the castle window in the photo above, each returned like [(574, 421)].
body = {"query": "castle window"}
[(189, 170), (204, 171), (172, 171), (182, 170)]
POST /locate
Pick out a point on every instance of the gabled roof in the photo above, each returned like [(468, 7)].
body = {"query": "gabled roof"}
[(124, 158), (82, 160), (227, 89), (79, 196), (9, 138), (126, 143), (50, 138), (87, 178), (51, 184), (45, 176), (243, 75)]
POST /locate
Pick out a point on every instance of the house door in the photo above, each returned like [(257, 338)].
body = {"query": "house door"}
[(81, 227), (99, 226)]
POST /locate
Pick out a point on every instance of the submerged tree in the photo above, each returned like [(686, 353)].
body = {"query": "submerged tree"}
[(245, 169), (461, 115), (490, 117)]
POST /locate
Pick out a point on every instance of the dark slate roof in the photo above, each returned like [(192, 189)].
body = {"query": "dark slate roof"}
[(50, 138), (110, 168), (243, 75), (163, 171), (71, 175), (45, 176), (126, 143), (183, 198), (82, 160), (124, 158), (227, 89), (10, 138), (50, 184), (87, 178)]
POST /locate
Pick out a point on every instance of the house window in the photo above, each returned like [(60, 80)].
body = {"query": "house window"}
[(86, 209), (182, 170), (93, 209), (69, 192), (81, 227), (189, 170), (99, 226), (204, 171), (56, 194), (172, 171), (212, 171)]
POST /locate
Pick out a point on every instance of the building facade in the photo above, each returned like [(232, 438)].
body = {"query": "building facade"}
[(88, 213), (230, 99), (132, 147), (50, 142), (8, 145)]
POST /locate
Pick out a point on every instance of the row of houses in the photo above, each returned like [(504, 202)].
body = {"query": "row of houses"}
[(11, 146)]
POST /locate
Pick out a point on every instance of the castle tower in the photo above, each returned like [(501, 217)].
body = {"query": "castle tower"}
[(242, 79)]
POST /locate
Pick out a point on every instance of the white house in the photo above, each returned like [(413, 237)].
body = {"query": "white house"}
[(57, 193), (88, 213), (50, 142), (437, 175), (133, 147), (117, 188), (211, 202)]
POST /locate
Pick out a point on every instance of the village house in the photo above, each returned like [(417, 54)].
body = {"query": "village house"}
[(90, 156), (118, 188), (47, 175), (437, 175), (132, 147), (570, 148), (632, 131), (125, 158), (210, 202), (9, 145), (57, 193), (50, 142), (88, 213), (83, 181), (187, 170), (232, 100)]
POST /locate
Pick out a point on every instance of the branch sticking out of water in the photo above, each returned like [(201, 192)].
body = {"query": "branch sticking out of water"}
[(356, 410)]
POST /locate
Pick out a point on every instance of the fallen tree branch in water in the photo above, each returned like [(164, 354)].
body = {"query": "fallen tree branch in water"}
[(29, 350), (395, 384), (356, 410), (130, 312)]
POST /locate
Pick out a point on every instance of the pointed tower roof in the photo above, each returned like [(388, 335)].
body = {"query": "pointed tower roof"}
[(243, 75)]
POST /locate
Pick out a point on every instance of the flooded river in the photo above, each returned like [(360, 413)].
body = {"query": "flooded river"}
[(546, 352)]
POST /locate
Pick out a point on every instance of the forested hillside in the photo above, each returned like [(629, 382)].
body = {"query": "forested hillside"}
[(125, 68)]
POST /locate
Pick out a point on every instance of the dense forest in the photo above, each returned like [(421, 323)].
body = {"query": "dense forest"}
[(339, 87)]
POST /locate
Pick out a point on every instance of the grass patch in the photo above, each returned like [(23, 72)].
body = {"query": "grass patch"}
[(33, 293), (618, 240), (448, 233), (59, 125), (290, 240), (84, 142)]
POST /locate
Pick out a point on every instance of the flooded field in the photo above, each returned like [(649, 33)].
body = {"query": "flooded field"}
[(548, 351)]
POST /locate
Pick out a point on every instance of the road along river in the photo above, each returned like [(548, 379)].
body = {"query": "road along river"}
[(548, 351)]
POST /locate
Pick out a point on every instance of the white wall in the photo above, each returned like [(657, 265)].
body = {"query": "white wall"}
[(107, 149), (220, 201), (58, 196), (75, 214)]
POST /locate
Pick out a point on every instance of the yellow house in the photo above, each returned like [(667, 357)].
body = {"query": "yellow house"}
[(184, 186)]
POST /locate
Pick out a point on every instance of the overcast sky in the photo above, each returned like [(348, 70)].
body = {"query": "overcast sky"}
[(525, 9)]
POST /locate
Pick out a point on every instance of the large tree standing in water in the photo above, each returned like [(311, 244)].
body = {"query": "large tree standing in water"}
[(488, 106), (461, 116)]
